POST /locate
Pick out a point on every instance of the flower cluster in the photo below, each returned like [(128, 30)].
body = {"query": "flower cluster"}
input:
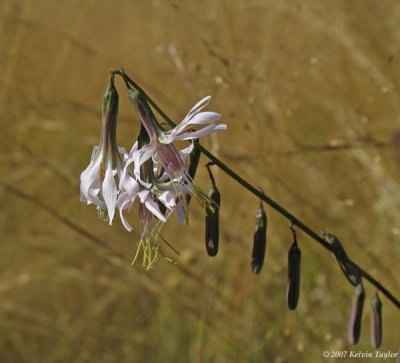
[(155, 172), (158, 175)]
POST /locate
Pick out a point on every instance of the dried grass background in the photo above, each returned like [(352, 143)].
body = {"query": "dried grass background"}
[(310, 93)]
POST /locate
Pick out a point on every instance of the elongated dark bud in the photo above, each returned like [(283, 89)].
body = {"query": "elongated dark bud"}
[(356, 315), (294, 263), (212, 222), (193, 163), (376, 321), (259, 241)]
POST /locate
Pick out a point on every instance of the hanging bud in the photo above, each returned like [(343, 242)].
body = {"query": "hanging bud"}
[(193, 163), (294, 262), (376, 321), (347, 266), (212, 222), (356, 315), (259, 241), (194, 158)]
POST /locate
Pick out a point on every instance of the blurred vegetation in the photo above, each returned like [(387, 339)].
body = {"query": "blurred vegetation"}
[(310, 93)]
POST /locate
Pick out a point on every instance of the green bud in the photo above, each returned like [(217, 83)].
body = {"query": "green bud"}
[(108, 142), (145, 113)]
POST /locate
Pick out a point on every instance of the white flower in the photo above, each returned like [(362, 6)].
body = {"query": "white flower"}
[(152, 191), (161, 147), (161, 141), (158, 195), (155, 206), (151, 196), (98, 185)]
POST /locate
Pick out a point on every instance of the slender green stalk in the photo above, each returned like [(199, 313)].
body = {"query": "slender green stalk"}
[(257, 192)]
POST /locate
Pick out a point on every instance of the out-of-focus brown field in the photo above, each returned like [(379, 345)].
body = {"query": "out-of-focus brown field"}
[(310, 93)]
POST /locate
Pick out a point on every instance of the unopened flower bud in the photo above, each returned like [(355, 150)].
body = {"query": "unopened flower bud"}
[(212, 222), (293, 287), (108, 141), (376, 321), (356, 315), (193, 163), (259, 240)]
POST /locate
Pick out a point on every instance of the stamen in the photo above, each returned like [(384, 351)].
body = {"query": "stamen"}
[(150, 231)]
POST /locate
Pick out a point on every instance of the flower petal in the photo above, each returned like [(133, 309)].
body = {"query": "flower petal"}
[(90, 183), (134, 148), (126, 169), (143, 195), (94, 153), (140, 157), (167, 198), (152, 206), (189, 135), (180, 213), (186, 151), (109, 191), (124, 202), (194, 117), (198, 119), (198, 107), (131, 186)]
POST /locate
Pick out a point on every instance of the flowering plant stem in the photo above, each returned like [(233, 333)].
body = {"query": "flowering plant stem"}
[(256, 191)]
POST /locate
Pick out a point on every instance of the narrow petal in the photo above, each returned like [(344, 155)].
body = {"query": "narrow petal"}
[(145, 153), (180, 212), (134, 148), (186, 151), (198, 107), (190, 135), (124, 175), (131, 186), (124, 202), (152, 206), (140, 157), (94, 153), (109, 191), (143, 195), (192, 113), (168, 199), (206, 117), (185, 155), (201, 118), (165, 177), (90, 183)]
